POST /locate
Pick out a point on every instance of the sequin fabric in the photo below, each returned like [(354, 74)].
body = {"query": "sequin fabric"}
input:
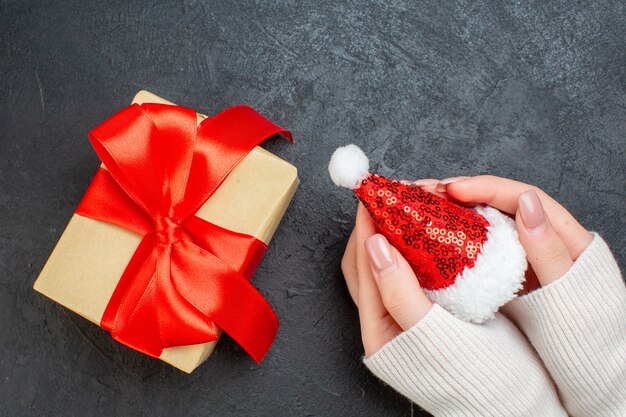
[(437, 237)]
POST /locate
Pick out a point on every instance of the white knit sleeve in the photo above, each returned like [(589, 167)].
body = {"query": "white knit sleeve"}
[(577, 324), (453, 368)]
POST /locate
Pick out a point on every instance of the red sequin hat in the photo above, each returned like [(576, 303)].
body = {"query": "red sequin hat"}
[(467, 260)]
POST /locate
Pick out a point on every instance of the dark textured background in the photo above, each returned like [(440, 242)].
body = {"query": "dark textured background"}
[(529, 90)]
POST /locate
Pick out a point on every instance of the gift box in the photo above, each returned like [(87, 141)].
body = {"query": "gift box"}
[(85, 271)]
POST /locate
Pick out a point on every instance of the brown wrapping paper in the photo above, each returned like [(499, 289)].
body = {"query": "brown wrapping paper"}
[(90, 257)]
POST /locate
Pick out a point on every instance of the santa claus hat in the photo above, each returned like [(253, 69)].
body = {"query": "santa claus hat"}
[(468, 260)]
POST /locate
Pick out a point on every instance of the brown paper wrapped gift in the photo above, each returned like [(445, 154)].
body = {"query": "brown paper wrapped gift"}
[(90, 257)]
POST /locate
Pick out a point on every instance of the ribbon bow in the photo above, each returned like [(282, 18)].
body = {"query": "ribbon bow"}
[(188, 277)]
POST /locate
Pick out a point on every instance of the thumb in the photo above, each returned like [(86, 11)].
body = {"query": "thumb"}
[(544, 248), (399, 289)]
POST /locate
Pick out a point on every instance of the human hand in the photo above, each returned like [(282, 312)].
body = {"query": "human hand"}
[(494, 355), (482, 361), (382, 285), (550, 235)]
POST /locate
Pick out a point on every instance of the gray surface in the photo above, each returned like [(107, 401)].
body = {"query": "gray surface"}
[(527, 90)]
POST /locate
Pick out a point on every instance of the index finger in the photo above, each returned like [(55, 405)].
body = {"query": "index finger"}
[(370, 304), (503, 194)]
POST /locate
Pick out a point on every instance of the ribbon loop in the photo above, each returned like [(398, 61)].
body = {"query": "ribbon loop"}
[(187, 277)]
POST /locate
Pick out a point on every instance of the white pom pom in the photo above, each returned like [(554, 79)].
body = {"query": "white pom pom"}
[(348, 166)]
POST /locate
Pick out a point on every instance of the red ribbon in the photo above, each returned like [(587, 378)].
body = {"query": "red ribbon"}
[(188, 277)]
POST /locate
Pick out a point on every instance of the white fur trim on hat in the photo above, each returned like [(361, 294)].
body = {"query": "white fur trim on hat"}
[(348, 166), (497, 275)]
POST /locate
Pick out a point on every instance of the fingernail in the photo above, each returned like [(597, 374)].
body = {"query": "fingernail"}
[(531, 210), (441, 185), (380, 253), (426, 181)]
